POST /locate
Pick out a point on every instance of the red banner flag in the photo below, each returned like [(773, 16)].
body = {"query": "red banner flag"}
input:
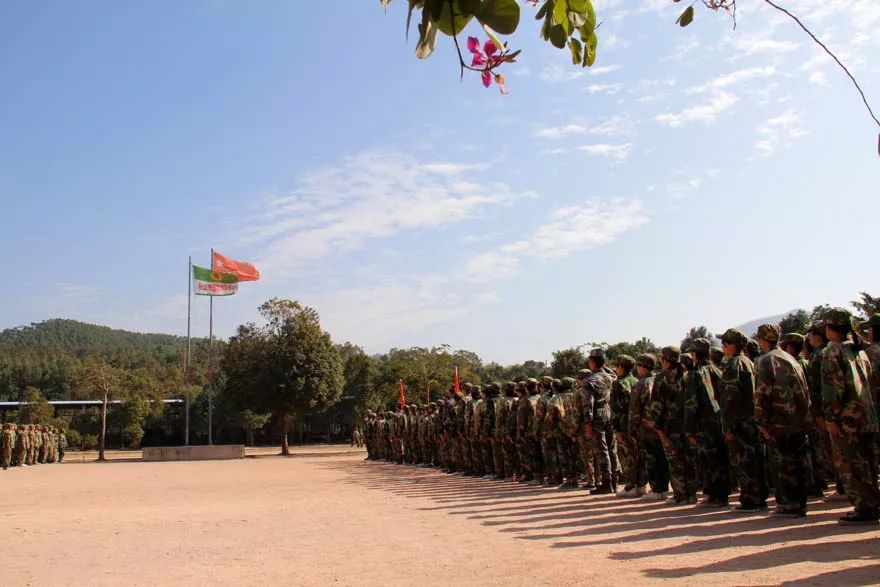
[(402, 399), (455, 382), (244, 271)]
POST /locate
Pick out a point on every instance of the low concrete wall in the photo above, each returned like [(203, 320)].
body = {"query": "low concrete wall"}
[(193, 453)]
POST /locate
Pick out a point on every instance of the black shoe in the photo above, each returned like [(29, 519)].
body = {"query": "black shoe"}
[(859, 519), (790, 513), (604, 489), (749, 509)]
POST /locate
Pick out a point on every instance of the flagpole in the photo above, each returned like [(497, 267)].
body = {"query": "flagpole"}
[(211, 360), (186, 366)]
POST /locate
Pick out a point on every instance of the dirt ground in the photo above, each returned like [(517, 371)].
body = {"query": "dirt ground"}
[(326, 517)]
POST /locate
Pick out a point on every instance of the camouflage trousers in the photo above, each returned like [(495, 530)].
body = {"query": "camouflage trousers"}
[(821, 466), (497, 445), (488, 457), (714, 465), (530, 457), (790, 467), (551, 458), (477, 456), (467, 463), (588, 458), (511, 458), (656, 465), (634, 473), (20, 455), (854, 461), (682, 466), (747, 465), (605, 446), (568, 457), (6, 457)]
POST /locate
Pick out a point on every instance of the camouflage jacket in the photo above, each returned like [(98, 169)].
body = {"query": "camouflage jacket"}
[(639, 402), (667, 409), (478, 417), (782, 398), (873, 354), (703, 415), (620, 393), (814, 381), (597, 397), (846, 390), (540, 413), (499, 416), (510, 422), (738, 394), (562, 414), (525, 416)]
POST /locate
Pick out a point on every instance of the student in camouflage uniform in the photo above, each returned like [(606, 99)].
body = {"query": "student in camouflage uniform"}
[(738, 421), (794, 344), (585, 443), (667, 417), (487, 426), (597, 419), (850, 416), (477, 412), (62, 445), (498, 431), (781, 407), (703, 426), (7, 443), (652, 458), (528, 433), (545, 434), (21, 446), (564, 418), (828, 472), (509, 442), (621, 391), (467, 427)]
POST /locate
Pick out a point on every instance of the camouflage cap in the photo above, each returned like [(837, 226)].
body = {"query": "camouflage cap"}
[(568, 383), (626, 361), (701, 345), (872, 322), (508, 385), (584, 373), (546, 381), (769, 332), (734, 336), (816, 327), (792, 338), (646, 360), (671, 354), (839, 317), (532, 380), (752, 346), (597, 353)]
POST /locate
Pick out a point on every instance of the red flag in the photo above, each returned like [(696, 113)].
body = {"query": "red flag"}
[(244, 271), (455, 381), (402, 399)]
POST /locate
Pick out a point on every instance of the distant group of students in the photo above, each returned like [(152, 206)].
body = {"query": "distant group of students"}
[(795, 413), (24, 445)]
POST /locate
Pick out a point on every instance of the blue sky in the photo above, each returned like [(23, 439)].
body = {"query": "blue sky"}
[(693, 176)]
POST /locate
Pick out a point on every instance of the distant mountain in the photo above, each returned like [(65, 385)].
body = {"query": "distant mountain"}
[(73, 336), (750, 328)]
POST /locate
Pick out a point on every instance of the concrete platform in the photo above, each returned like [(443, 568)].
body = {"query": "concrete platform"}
[(215, 452)]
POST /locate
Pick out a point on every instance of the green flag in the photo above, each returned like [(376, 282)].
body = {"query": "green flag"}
[(214, 283)]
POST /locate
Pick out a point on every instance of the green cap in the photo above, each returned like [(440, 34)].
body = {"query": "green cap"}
[(734, 336), (626, 361), (646, 360), (701, 346), (839, 317), (873, 322), (671, 354)]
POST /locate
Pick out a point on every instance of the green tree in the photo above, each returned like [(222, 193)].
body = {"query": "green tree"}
[(694, 333), (797, 321), (37, 410), (567, 362), (633, 349), (288, 367), (96, 378), (867, 305), (252, 422)]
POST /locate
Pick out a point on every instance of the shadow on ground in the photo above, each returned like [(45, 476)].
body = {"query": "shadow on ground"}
[(658, 537)]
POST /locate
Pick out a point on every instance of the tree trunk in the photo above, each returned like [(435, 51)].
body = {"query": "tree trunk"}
[(103, 428), (285, 448), (249, 436)]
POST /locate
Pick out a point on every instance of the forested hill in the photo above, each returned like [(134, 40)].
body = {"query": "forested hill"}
[(73, 336)]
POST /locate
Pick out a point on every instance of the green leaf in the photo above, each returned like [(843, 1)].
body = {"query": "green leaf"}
[(575, 46), (546, 7), (578, 5), (560, 12), (558, 36), (577, 19), (501, 15), (444, 23), (590, 50), (470, 6), (687, 17), (546, 26)]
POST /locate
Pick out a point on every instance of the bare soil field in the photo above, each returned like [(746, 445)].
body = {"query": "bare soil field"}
[(326, 517)]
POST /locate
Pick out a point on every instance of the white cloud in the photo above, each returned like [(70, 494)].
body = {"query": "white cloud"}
[(556, 73), (557, 132), (614, 126), (567, 230), (818, 78), (616, 152), (705, 113), (609, 89), (603, 69), (778, 131), (733, 78), (371, 195), (751, 45)]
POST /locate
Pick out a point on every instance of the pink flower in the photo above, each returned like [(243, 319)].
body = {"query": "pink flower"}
[(499, 79), (486, 58), (487, 78)]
